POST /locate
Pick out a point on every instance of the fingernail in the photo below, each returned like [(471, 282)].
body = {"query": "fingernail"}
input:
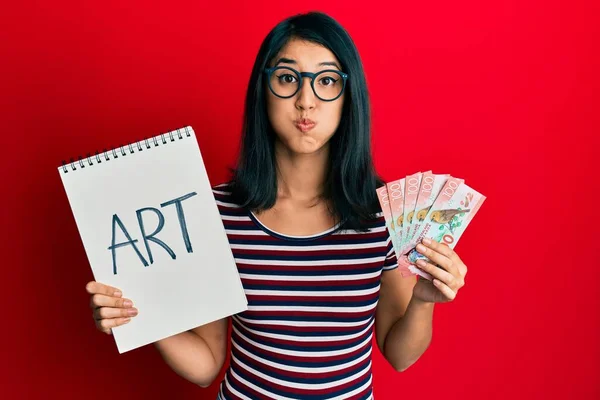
[(117, 294), (420, 248), (427, 241), (126, 320), (127, 303), (421, 263), (132, 312)]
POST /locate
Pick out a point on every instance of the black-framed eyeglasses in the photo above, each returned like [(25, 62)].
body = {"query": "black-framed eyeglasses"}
[(285, 82)]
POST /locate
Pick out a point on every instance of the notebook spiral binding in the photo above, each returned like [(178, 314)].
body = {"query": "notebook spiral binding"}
[(106, 154)]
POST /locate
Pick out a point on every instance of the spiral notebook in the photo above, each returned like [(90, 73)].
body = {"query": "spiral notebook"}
[(150, 226)]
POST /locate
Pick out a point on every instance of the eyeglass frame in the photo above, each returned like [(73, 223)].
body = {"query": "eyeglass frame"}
[(302, 75)]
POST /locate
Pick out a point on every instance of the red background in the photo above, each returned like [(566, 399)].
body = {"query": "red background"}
[(503, 94)]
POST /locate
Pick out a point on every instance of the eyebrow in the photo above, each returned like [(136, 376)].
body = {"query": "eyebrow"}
[(290, 61)]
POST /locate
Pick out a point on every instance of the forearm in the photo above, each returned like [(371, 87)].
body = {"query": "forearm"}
[(190, 357), (410, 336)]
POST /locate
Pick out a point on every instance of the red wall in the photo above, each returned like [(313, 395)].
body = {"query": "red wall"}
[(503, 94)]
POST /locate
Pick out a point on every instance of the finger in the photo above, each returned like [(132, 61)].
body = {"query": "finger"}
[(94, 287), (442, 248), (109, 312), (436, 272), (106, 324), (437, 246), (435, 257), (107, 331), (446, 291), (100, 300)]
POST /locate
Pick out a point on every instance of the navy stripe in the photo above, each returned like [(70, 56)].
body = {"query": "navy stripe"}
[(340, 288), (266, 241), (307, 318)]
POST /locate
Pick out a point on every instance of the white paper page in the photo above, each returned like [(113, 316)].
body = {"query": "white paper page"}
[(172, 295)]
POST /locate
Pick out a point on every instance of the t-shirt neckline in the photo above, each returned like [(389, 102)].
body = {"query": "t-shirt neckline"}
[(279, 235)]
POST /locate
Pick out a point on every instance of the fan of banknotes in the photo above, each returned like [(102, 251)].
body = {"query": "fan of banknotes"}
[(426, 205)]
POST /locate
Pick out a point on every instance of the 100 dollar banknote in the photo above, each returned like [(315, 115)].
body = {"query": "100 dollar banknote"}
[(396, 195), (431, 185), (412, 184), (384, 201)]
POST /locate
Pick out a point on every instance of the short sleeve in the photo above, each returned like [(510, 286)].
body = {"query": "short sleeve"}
[(391, 261)]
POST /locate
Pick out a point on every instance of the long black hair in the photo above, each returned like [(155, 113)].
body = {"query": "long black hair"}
[(351, 180)]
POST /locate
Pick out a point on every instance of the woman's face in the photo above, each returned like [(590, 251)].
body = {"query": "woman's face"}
[(286, 115)]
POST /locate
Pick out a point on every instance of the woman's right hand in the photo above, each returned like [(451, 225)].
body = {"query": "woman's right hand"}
[(109, 307)]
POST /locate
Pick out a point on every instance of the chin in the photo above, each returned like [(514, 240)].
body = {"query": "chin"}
[(308, 148)]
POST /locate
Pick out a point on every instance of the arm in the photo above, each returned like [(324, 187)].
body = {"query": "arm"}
[(198, 354), (403, 322)]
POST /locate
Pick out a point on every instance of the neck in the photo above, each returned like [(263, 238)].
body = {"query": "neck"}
[(301, 176)]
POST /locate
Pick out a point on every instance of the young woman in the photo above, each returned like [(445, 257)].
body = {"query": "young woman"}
[(308, 236)]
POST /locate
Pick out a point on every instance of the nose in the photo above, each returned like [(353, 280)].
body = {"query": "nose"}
[(305, 97)]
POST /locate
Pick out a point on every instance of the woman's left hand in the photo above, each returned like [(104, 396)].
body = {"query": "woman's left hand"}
[(447, 270)]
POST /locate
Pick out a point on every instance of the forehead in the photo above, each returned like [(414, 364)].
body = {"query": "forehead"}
[(306, 54)]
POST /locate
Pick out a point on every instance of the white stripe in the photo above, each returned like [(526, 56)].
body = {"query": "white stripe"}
[(313, 309), (315, 354), (286, 278), (302, 339), (308, 370), (351, 261), (309, 248), (258, 231), (246, 232), (292, 324), (235, 217), (296, 385), (229, 205), (344, 293)]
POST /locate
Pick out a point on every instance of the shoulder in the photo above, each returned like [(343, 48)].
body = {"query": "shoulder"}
[(222, 189), (223, 196), (377, 222)]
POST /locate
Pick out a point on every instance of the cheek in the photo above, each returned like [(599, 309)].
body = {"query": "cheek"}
[(335, 115), (275, 110)]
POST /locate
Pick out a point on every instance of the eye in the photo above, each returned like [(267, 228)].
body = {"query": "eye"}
[(287, 78), (328, 81)]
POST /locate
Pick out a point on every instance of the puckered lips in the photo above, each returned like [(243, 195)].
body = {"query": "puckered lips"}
[(304, 124)]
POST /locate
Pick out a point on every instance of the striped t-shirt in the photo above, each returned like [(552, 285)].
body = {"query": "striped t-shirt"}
[(308, 330)]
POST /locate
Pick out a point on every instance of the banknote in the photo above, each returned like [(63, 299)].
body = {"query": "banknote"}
[(384, 201), (412, 184), (446, 221), (396, 198), (431, 185)]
